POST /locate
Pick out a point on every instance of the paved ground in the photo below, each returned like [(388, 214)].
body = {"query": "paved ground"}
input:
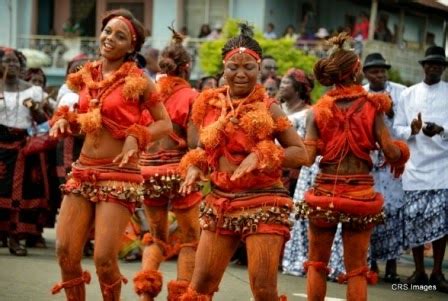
[(30, 278)]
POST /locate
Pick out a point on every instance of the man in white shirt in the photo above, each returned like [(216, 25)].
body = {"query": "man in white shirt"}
[(386, 242), (422, 119)]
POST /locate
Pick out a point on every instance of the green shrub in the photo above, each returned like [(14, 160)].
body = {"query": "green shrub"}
[(283, 50)]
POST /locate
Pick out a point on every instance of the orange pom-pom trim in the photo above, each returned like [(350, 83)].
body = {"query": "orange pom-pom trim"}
[(282, 124), (135, 86), (148, 282), (212, 135), (196, 157), (85, 278), (258, 123), (91, 121), (63, 112), (405, 154), (75, 81), (176, 288), (372, 277), (381, 101), (193, 295), (270, 156), (282, 298), (141, 133)]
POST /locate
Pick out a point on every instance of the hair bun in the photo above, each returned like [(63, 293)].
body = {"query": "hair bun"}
[(167, 65), (322, 73), (246, 30), (340, 41), (176, 37)]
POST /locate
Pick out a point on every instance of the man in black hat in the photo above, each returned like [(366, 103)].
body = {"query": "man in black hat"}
[(422, 119), (386, 242)]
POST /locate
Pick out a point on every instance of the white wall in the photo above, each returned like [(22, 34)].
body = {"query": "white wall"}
[(15, 20), (164, 12), (248, 10)]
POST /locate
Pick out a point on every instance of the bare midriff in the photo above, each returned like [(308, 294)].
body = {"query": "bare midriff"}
[(102, 145), (350, 165)]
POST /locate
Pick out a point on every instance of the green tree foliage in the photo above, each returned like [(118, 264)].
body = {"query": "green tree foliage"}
[(283, 50)]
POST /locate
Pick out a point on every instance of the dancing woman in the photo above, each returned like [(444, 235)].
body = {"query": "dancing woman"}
[(105, 183), (238, 124), (160, 169), (344, 126)]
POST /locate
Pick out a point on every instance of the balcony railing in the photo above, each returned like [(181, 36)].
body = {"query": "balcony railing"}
[(60, 49)]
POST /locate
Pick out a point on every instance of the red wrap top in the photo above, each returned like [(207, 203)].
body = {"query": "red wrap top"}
[(351, 129)]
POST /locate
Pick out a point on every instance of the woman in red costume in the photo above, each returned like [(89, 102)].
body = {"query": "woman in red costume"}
[(344, 126), (105, 183), (160, 169), (238, 125)]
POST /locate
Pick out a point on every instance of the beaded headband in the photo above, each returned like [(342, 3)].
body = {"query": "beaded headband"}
[(130, 27), (242, 50)]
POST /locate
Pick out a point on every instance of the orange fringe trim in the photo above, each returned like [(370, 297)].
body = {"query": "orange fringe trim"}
[(135, 83), (196, 157), (283, 298), (148, 282), (108, 288), (74, 81), (323, 109), (212, 98), (270, 156), (63, 112), (167, 85), (405, 154), (372, 277), (381, 101), (135, 86), (258, 123), (85, 278), (212, 135), (200, 106), (176, 288), (192, 295), (282, 124), (141, 133), (91, 121)]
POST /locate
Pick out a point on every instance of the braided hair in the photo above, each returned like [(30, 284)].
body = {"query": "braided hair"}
[(244, 39), (341, 66), (175, 59)]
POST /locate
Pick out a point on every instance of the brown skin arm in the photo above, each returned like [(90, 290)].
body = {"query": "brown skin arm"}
[(390, 150), (162, 125), (159, 128), (192, 135), (296, 154), (312, 135)]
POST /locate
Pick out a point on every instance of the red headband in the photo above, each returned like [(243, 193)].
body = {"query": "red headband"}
[(298, 75), (242, 50), (130, 27)]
